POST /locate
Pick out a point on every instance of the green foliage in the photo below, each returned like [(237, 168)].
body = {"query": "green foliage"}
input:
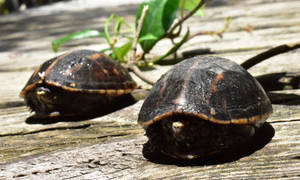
[(147, 37), (77, 35), (122, 51), (158, 22), (118, 53), (190, 5), (174, 48)]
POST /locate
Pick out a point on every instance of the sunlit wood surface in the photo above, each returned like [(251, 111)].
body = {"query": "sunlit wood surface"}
[(110, 147)]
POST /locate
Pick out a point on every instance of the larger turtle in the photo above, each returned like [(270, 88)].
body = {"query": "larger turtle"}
[(202, 106), (80, 83)]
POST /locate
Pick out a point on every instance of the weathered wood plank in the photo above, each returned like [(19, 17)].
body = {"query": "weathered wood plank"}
[(110, 147), (281, 154), (21, 137), (122, 158)]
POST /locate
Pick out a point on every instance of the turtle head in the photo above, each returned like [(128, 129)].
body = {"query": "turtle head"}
[(44, 94), (189, 131), (177, 127), (45, 97)]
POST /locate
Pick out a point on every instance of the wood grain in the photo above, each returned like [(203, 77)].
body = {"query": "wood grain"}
[(111, 146)]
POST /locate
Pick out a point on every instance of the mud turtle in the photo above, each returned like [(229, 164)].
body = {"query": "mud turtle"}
[(202, 106), (82, 82)]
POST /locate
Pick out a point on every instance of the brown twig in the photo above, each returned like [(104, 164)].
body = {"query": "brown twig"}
[(131, 64), (269, 53), (191, 13), (202, 33), (132, 60), (171, 35), (218, 33), (141, 75)]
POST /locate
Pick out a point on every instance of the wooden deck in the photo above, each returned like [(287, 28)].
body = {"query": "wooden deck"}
[(110, 147)]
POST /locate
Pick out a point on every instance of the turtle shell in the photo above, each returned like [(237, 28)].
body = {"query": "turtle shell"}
[(80, 82), (202, 105)]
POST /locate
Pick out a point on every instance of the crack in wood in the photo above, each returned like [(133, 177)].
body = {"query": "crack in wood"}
[(11, 104), (45, 130), (67, 153), (35, 172), (283, 121), (112, 135)]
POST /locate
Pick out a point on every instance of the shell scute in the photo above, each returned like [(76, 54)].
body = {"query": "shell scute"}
[(80, 77), (215, 101), (199, 84)]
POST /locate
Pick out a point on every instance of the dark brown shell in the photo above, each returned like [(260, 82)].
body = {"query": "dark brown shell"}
[(80, 78), (82, 70), (211, 88), (201, 107)]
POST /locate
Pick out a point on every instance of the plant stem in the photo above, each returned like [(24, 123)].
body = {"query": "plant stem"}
[(202, 33), (171, 35), (219, 33), (131, 64), (191, 13), (269, 53), (132, 60), (141, 75)]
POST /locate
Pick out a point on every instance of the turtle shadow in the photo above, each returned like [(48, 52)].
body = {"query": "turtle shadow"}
[(279, 82), (37, 119), (120, 103), (283, 98), (262, 137)]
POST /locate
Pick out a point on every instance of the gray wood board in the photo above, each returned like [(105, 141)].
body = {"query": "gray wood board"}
[(110, 147)]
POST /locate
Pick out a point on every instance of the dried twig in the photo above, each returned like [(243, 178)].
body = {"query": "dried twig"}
[(131, 64), (191, 13), (269, 53), (218, 33), (138, 32), (202, 33), (141, 75)]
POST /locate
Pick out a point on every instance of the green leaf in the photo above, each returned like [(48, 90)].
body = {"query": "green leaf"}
[(122, 51), (174, 48), (105, 49), (158, 20), (106, 28), (147, 37), (113, 56), (191, 4), (169, 13), (118, 53), (119, 22), (77, 35)]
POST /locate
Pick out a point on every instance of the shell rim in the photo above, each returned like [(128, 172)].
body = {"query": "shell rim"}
[(25, 91), (241, 121)]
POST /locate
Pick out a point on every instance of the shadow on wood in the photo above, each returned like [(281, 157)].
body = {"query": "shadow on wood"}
[(282, 82), (284, 98), (185, 55), (11, 104), (120, 103), (197, 52), (279, 81), (262, 137)]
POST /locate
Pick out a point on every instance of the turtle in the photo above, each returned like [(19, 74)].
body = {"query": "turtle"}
[(202, 106), (78, 83)]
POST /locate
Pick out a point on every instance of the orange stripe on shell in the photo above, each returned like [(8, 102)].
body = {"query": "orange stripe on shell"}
[(252, 120)]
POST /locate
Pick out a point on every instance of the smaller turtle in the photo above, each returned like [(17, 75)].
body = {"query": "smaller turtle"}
[(203, 106), (79, 83)]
